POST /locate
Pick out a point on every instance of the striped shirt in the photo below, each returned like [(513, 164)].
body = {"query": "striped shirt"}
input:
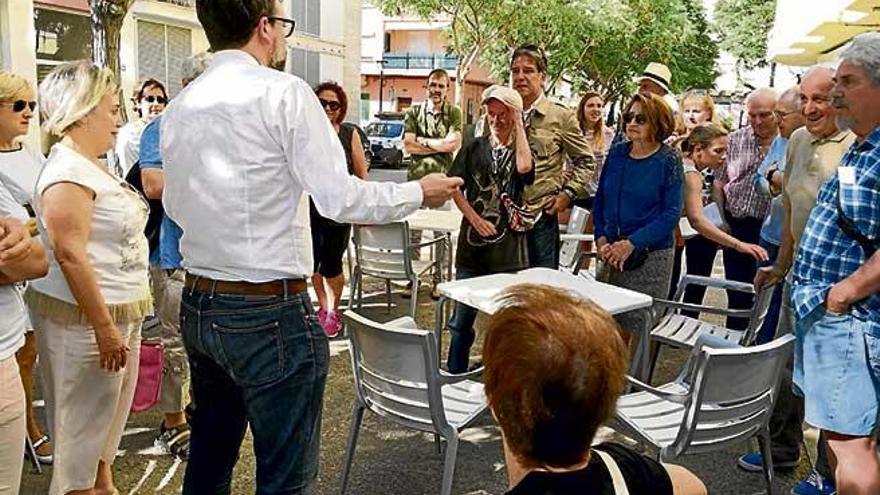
[(741, 197), (828, 255)]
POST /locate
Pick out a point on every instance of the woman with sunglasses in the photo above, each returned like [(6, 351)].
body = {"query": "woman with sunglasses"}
[(88, 310), (149, 101), (329, 238), (638, 205), (19, 168), (495, 168)]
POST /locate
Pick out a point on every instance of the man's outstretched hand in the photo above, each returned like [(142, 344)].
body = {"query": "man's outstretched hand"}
[(437, 189)]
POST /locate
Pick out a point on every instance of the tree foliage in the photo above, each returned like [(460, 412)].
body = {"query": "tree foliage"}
[(744, 26), (602, 44), (107, 17)]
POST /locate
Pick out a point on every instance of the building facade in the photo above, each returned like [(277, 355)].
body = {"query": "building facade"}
[(157, 35), (398, 52)]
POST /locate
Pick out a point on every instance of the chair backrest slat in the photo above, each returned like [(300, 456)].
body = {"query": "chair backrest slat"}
[(570, 251), (383, 250)]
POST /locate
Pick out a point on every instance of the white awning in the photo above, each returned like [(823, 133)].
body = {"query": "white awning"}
[(807, 33)]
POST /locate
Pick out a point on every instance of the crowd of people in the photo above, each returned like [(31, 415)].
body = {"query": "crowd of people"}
[(207, 215)]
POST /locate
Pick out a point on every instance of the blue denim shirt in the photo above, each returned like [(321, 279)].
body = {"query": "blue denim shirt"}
[(827, 254), (639, 199), (771, 231), (168, 255)]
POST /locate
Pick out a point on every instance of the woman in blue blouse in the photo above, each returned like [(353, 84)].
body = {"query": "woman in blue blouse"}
[(638, 204)]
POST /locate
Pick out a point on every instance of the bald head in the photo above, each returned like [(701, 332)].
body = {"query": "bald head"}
[(815, 97), (760, 105)]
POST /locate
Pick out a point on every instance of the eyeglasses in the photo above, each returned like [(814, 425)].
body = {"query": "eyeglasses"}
[(639, 118), (289, 24), (156, 99), (333, 106), (19, 105), (782, 115)]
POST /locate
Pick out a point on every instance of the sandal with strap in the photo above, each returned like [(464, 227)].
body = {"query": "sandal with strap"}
[(43, 459), (175, 440)]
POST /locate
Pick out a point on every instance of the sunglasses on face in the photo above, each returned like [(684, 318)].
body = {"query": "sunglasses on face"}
[(639, 119), (19, 105), (155, 99), (333, 106)]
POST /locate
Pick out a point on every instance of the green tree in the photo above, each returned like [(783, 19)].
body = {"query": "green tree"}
[(107, 17), (744, 26)]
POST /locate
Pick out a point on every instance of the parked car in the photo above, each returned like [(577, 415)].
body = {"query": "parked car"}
[(386, 140)]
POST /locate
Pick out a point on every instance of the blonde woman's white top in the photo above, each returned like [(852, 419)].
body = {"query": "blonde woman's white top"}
[(19, 170), (116, 248), (13, 315)]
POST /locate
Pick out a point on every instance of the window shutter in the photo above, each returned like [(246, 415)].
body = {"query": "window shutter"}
[(151, 52), (179, 48)]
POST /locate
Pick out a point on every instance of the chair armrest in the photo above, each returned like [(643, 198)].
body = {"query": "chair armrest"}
[(717, 283), (677, 397), (699, 308), (576, 237), (447, 378)]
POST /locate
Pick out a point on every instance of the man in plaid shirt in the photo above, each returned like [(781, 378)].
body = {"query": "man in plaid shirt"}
[(836, 283)]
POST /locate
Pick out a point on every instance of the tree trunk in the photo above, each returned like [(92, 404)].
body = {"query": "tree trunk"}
[(461, 73), (107, 17)]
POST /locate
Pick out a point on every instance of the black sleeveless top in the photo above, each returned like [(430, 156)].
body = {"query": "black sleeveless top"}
[(346, 131)]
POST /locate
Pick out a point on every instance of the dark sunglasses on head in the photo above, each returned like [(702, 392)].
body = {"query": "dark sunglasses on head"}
[(156, 99), (637, 117), (20, 105), (289, 24), (333, 106)]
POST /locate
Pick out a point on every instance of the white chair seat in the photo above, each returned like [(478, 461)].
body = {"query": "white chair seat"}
[(463, 402), (681, 331), (652, 418)]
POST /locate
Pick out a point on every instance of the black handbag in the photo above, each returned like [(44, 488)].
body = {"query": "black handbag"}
[(636, 259)]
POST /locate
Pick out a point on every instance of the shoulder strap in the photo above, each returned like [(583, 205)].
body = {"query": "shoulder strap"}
[(849, 227), (614, 470)]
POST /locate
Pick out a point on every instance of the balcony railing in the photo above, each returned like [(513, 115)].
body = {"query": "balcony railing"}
[(419, 60)]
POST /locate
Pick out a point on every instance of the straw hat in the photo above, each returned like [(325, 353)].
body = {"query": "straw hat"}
[(658, 73)]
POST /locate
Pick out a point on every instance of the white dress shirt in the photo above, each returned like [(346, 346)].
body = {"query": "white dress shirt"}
[(240, 145)]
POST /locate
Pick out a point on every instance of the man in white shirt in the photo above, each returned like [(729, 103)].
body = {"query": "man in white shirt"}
[(241, 144)]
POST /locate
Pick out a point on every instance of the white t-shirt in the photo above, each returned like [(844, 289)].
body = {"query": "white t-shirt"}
[(117, 248), (128, 146), (19, 170), (13, 313)]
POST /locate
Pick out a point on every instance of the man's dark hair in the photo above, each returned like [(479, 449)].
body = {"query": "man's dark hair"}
[(438, 73), (230, 23), (532, 51)]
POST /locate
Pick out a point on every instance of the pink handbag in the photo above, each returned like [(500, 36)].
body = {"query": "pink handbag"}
[(149, 381)]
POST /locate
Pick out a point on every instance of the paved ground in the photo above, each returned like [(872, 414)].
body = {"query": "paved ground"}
[(391, 460)]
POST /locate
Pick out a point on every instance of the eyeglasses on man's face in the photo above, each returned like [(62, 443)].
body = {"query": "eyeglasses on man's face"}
[(288, 24), (18, 106)]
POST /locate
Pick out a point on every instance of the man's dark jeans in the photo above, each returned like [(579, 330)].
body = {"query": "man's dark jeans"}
[(768, 328), (260, 361), (740, 267), (543, 243), (461, 330)]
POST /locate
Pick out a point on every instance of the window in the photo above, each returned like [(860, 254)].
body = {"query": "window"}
[(365, 107), (61, 37), (306, 65), (161, 52), (307, 14)]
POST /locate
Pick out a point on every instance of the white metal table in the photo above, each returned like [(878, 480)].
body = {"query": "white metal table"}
[(482, 294)]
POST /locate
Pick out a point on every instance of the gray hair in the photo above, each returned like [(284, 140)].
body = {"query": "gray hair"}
[(865, 51), (194, 66), (71, 91), (791, 95), (762, 93)]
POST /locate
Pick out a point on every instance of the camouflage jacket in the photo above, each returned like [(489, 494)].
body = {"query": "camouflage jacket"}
[(424, 124)]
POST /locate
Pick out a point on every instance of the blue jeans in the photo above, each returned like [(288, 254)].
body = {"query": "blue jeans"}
[(543, 243), (461, 330), (768, 328), (260, 361)]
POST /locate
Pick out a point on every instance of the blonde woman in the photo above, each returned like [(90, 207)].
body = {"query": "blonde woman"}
[(19, 167), (697, 107), (88, 309)]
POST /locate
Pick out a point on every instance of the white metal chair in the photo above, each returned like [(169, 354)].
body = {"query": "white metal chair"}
[(678, 330), (723, 396), (384, 251), (572, 238), (397, 376)]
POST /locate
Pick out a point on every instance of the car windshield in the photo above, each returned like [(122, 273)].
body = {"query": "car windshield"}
[(384, 129)]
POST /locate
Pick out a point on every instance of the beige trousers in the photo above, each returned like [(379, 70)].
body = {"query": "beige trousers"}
[(88, 406), (12, 429)]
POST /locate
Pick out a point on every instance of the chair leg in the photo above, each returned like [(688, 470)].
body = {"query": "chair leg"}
[(414, 300), (32, 453), (437, 443), (360, 295), (357, 415), (767, 458), (352, 289), (449, 463), (388, 294)]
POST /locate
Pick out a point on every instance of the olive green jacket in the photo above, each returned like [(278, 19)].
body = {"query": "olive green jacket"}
[(554, 136)]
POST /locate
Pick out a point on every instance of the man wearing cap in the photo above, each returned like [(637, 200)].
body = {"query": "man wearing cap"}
[(554, 135), (495, 169), (655, 80)]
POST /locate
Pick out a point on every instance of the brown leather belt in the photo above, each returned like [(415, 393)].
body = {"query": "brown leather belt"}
[(273, 288)]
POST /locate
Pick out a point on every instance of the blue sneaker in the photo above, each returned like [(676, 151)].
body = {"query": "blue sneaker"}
[(754, 463), (815, 484)]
